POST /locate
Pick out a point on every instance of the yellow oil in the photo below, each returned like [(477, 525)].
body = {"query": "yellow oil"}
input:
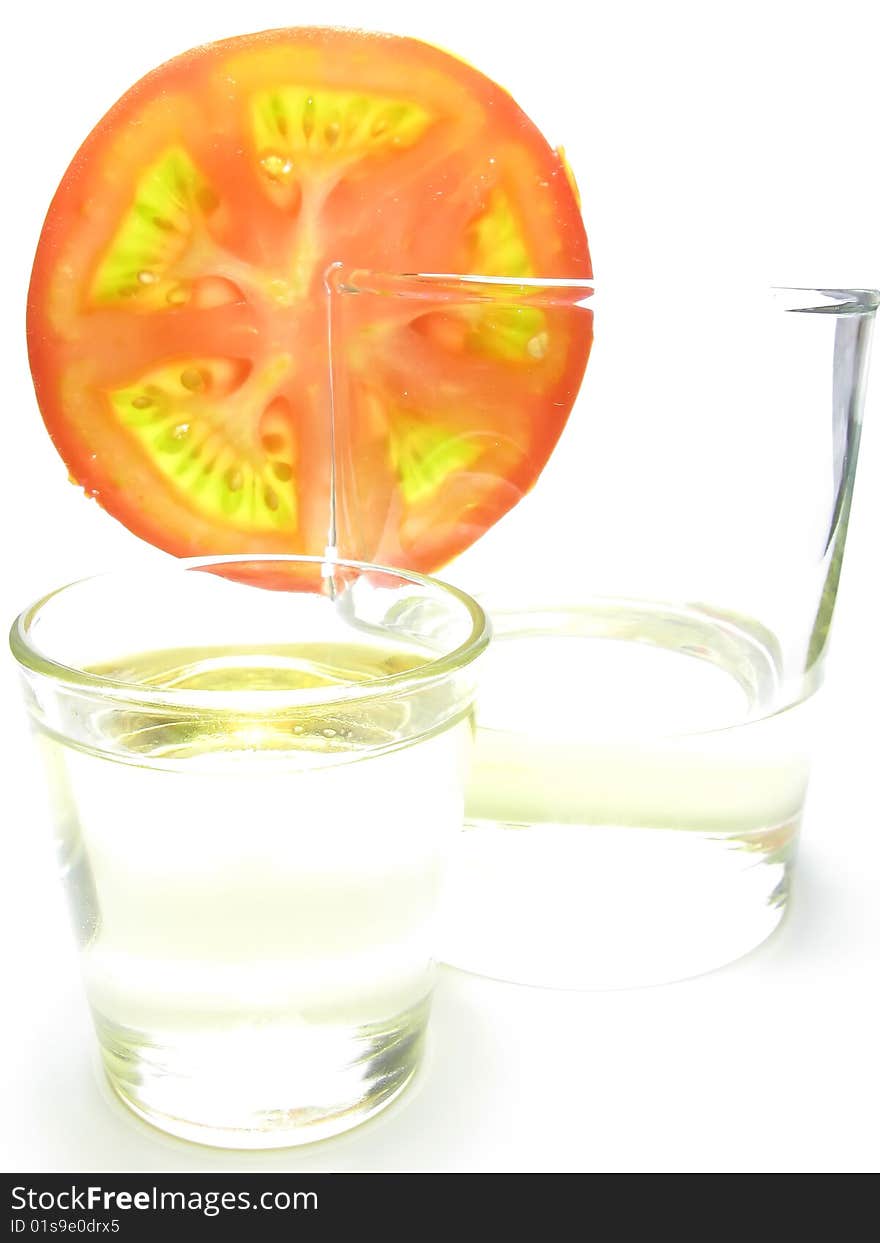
[(254, 887), (634, 799)]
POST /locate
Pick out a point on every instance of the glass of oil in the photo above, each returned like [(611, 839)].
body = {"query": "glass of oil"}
[(257, 768), (667, 472)]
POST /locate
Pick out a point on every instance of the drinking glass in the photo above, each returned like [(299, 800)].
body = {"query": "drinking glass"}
[(256, 766), (661, 598)]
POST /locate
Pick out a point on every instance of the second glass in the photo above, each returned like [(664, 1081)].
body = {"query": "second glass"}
[(661, 598)]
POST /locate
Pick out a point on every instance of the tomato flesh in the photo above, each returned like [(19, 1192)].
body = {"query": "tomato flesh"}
[(177, 317)]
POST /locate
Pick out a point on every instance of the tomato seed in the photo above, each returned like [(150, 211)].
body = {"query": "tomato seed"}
[(192, 378), (308, 121), (276, 166), (538, 344)]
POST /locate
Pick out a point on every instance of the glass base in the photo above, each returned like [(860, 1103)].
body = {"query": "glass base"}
[(254, 1088), (594, 907)]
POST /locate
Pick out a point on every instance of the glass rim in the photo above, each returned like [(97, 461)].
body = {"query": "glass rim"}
[(553, 290), (35, 661)]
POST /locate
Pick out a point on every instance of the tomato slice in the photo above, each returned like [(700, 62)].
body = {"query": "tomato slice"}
[(177, 319)]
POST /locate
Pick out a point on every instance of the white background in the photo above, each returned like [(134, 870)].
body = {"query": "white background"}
[(710, 141)]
